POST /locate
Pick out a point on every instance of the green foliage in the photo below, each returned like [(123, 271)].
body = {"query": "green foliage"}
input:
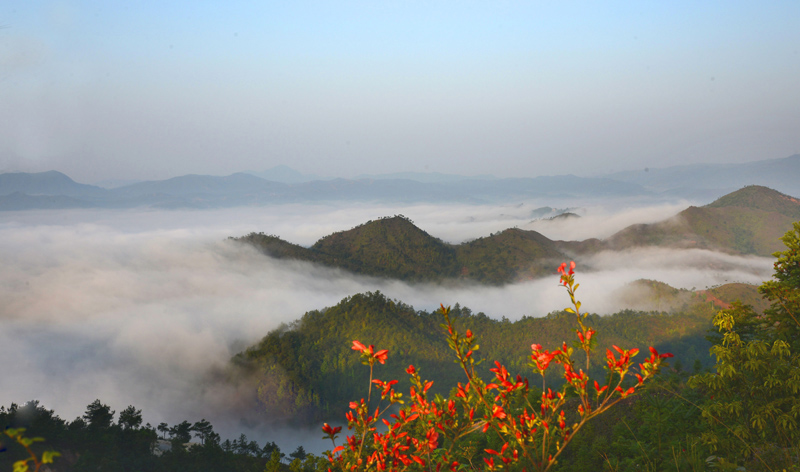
[(130, 418), (753, 405), (783, 293), (306, 372), (33, 461), (129, 447), (428, 431), (98, 415)]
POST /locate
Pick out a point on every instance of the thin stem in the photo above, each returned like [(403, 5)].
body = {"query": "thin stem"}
[(366, 418)]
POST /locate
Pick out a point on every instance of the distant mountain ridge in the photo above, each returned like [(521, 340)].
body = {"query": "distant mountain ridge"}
[(424, 177), (782, 174), (282, 184), (51, 183), (205, 191), (285, 174)]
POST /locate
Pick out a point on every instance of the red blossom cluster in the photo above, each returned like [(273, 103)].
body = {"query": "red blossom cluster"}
[(426, 433), (368, 354)]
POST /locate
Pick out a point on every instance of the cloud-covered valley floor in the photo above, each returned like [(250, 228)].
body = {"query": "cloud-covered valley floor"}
[(143, 307)]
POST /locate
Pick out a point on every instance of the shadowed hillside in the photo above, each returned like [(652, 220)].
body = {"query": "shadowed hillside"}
[(748, 221), (506, 256), (307, 370), (393, 247)]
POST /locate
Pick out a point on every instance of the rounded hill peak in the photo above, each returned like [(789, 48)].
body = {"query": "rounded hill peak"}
[(388, 246), (762, 198)]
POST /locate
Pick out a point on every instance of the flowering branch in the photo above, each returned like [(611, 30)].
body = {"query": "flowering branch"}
[(416, 436)]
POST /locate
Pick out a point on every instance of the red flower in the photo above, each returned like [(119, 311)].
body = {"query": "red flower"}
[(562, 269), (329, 430), (357, 346), (381, 355)]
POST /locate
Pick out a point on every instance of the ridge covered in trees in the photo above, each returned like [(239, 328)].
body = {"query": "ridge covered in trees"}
[(748, 221), (94, 442), (394, 247), (305, 371)]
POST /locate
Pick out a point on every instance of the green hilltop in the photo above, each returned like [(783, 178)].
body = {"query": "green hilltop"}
[(394, 247), (306, 371), (748, 221)]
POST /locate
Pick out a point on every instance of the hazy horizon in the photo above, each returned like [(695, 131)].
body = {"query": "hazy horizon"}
[(102, 91)]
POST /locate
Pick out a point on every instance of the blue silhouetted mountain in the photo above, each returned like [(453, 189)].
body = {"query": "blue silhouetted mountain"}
[(424, 177), (206, 191), (200, 185), (689, 180), (22, 201), (285, 174), (46, 183)]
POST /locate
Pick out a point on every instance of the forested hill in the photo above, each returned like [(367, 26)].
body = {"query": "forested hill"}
[(748, 221), (394, 247), (307, 371)]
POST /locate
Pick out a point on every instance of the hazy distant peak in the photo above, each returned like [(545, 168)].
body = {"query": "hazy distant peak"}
[(44, 183), (781, 173), (564, 216), (424, 177), (285, 174), (47, 176), (115, 183)]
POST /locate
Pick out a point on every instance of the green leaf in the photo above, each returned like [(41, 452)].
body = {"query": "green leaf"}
[(48, 456), (21, 466)]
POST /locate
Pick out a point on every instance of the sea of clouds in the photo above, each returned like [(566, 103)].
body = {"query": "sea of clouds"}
[(145, 307)]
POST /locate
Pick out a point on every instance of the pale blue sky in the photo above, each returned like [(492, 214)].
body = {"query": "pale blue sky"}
[(105, 89)]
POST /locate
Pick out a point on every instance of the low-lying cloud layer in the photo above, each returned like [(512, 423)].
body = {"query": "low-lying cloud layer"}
[(601, 222), (144, 307)]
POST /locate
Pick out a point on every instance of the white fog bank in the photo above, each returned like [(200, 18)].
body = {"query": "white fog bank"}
[(142, 307)]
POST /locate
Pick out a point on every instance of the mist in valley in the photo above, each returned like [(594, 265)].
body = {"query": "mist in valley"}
[(146, 308)]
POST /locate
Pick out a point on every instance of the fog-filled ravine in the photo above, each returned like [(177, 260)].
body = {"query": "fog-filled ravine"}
[(146, 307)]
